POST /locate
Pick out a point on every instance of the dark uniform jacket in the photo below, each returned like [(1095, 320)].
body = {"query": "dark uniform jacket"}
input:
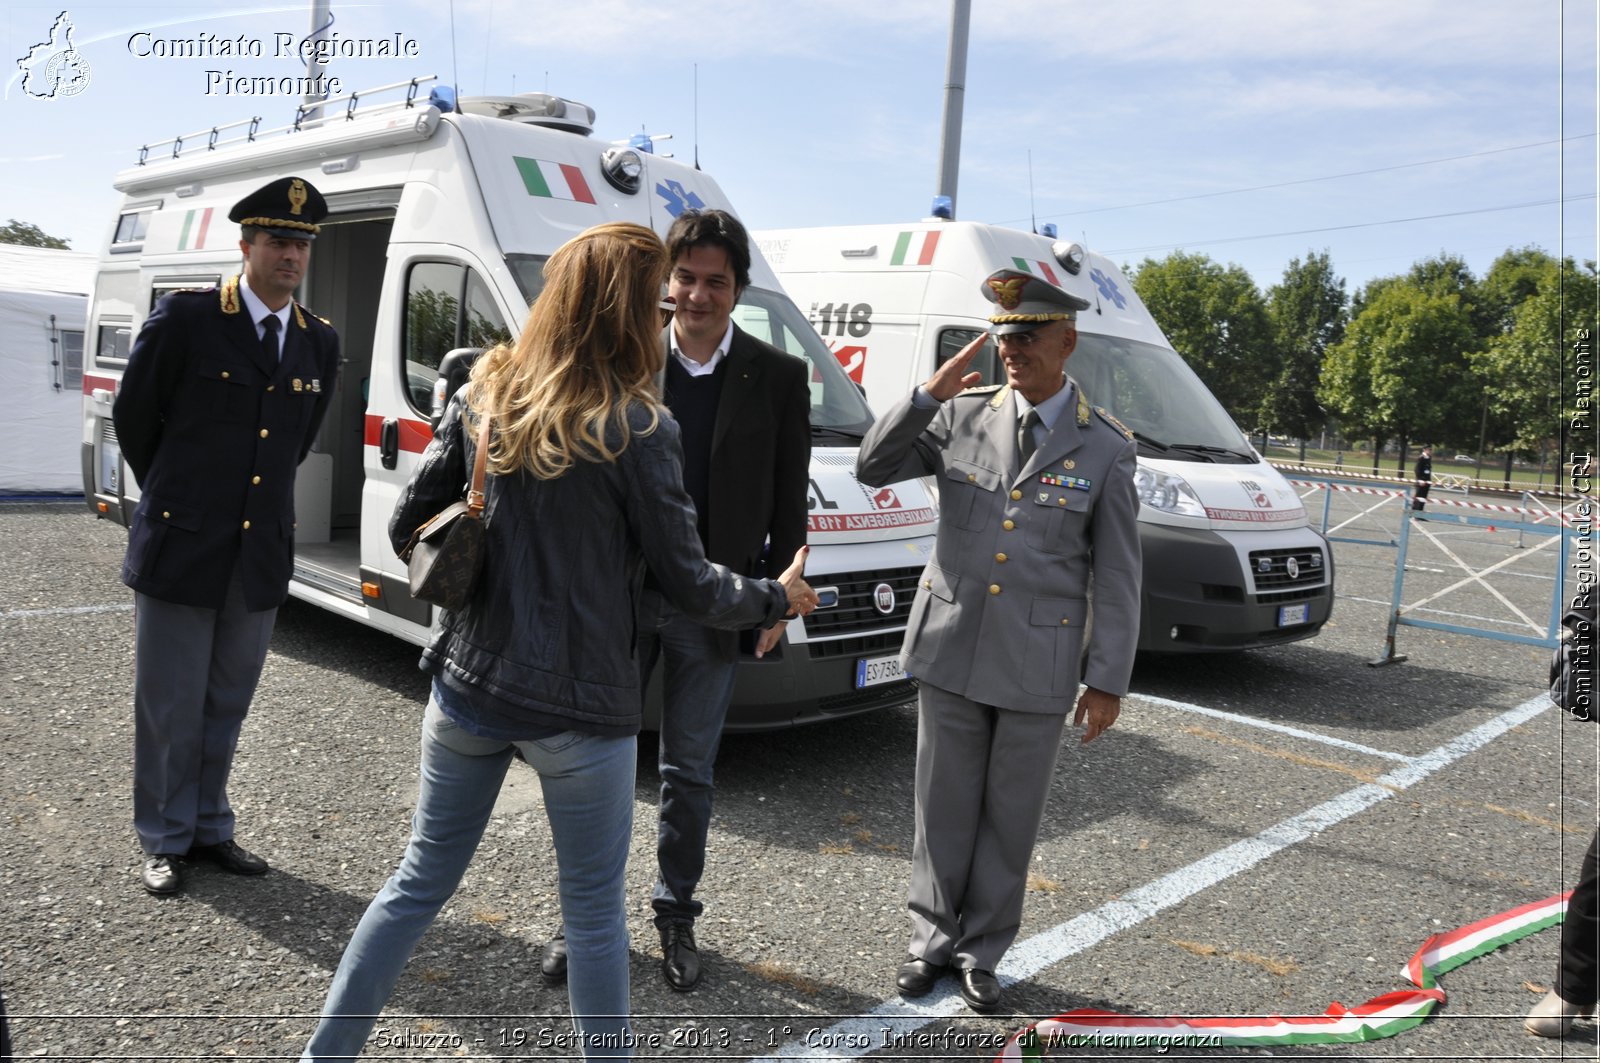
[(214, 433), (550, 624)]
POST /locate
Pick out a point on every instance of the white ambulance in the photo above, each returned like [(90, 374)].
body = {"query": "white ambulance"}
[(442, 214), (1231, 560)]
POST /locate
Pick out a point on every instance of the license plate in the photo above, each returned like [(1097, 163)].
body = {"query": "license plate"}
[(872, 671), (1290, 615)]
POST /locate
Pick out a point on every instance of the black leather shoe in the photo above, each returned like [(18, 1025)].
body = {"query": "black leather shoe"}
[(680, 959), (230, 857), (160, 875), (980, 989), (553, 968), (916, 976)]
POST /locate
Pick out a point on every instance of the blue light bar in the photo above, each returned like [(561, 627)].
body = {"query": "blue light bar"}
[(943, 208)]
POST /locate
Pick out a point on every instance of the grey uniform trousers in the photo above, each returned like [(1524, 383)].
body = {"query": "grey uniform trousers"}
[(982, 779)]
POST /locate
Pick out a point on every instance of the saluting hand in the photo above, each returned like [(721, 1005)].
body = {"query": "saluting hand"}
[(951, 378), (802, 599)]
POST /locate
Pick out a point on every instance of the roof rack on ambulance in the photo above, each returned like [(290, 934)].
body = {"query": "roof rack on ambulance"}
[(307, 116)]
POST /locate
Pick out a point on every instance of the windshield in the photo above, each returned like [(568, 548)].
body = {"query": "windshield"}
[(1148, 388), (837, 405)]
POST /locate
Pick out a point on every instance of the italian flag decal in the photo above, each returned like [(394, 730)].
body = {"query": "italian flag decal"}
[(1037, 268), (553, 180), (1382, 1016), (195, 224), (914, 248)]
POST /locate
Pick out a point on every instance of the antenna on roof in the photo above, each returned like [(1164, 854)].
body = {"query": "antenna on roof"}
[(1033, 217), (455, 80), (697, 116), (488, 39)]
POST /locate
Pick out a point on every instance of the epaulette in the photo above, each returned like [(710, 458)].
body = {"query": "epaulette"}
[(301, 310), (1113, 422), (982, 389)]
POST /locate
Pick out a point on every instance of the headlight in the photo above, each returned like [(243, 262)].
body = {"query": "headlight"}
[(1168, 492)]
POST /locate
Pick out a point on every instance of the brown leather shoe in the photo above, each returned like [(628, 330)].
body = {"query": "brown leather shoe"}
[(680, 959), (917, 976), (230, 857), (980, 989), (160, 875)]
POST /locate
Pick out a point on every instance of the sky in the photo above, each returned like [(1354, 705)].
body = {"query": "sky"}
[(1254, 132)]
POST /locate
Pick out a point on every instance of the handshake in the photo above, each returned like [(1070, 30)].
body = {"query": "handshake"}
[(802, 599)]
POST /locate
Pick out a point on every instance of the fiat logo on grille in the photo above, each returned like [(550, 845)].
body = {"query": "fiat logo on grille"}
[(883, 598), (1293, 565)]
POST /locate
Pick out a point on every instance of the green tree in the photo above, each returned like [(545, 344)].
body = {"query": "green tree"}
[(1217, 319), (1528, 389), (29, 235), (1308, 314), (1401, 370)]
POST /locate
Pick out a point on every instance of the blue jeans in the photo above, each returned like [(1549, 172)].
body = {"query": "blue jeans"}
[(587, 783), (699, 667)]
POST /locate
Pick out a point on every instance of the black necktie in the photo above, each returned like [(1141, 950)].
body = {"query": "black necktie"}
[(269, 338), (1025, 442)]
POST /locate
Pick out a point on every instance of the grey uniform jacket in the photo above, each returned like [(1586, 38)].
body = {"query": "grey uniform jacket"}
[(1000, 610)]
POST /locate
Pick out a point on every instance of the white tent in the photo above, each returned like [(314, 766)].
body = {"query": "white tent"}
[(44, 302)]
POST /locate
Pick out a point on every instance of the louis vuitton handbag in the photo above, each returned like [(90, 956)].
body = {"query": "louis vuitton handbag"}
[(445, 554)]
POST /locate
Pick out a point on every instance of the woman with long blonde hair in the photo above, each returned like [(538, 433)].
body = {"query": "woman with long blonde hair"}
[(585, 490)]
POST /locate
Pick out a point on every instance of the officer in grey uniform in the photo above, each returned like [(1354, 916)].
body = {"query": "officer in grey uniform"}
[(1036, 497)]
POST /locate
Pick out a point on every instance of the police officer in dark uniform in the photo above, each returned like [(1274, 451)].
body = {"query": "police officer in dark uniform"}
[(224, 391)]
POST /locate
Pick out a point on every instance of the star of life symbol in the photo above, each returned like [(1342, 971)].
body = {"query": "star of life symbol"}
[(54, 68), (677, 198), (1108, 289)]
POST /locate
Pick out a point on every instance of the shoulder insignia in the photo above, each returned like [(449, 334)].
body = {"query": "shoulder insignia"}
[(230, 295), (982, 389), (1113, 422), (1083, 409), (299, 315)]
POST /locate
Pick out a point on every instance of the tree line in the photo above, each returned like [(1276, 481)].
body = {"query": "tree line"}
[(1434, 355)]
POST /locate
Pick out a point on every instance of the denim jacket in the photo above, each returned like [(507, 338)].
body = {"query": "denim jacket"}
[(550, 625)]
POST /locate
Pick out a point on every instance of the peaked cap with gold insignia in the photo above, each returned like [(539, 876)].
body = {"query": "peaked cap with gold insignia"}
[(288, 207), (1024, 302)]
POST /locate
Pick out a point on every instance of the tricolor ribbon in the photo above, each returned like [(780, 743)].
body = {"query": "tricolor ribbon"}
[(1382, 1016)]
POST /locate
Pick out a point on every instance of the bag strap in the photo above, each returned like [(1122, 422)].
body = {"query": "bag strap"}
[(475, 496)]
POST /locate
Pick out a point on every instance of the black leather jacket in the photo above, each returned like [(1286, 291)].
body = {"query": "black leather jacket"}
[(551, 623)]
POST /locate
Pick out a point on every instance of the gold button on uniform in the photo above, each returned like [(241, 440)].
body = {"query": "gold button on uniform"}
[(165, 515), (994, 588), (1009, 526), (255, 479), (224, 374), (971, 479), (1000, 558), (246, 525), (263, 433), (272, 387), (1065, 622), (1016, 495)]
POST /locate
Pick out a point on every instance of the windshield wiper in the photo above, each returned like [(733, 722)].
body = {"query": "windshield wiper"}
[(836, 430), (1208, 450), (1153, 444)]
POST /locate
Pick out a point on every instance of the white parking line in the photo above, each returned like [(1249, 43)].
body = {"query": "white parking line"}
[(857, 1036), (72, 610), (1268, 725)]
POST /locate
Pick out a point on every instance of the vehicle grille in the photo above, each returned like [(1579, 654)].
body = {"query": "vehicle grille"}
[(856, 614), (1271, 569), (878, 645)]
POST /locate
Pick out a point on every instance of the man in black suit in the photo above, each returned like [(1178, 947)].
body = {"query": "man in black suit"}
[(224, 391), (745, 411)]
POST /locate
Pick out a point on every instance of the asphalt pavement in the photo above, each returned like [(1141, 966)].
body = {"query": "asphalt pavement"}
[(1262, 833)]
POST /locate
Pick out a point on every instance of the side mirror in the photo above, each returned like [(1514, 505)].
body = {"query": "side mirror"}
[(453, 370)]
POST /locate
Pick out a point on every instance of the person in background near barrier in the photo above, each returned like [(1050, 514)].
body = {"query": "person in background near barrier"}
[(1036, 496), (224, 392), (1577, 988), (744, 408), (1424, 478), (586, 487)]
